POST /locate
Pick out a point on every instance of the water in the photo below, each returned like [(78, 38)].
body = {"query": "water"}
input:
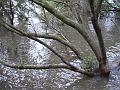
[(16, 49)]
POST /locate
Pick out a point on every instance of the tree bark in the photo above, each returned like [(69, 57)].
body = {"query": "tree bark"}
[(103, 58), (103, 69)]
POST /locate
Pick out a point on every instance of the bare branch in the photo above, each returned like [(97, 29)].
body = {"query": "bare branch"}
[(67, 66), (49, 66), (57, 38), (98, 9), (71, 23), (117, 9), (60, 2), (98, 30), (11, 28)]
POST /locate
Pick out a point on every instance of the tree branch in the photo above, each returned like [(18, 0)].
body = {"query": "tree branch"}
[(117, 9), (94, 19), (98, 9), (67, 66), (60, 2), (57, 38), (11, 28), (49, 66), (71, 23)]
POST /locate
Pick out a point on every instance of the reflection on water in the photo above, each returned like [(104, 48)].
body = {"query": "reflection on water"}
[(18, 49)]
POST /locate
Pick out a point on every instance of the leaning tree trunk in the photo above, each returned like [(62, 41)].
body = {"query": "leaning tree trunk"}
[(103, 58), (95, 10)]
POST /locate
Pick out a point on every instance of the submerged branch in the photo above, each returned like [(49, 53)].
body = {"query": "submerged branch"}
[(49, 66)]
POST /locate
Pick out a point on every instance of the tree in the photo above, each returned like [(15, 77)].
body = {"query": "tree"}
[(98, 49), (7, 10)]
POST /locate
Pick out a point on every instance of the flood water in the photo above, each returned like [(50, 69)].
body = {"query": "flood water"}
[(15, 49)]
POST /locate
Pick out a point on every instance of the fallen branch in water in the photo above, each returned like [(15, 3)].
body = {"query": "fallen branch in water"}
[(49, 66)]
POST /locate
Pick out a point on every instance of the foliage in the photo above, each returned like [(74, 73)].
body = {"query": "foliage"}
[(88, 62)]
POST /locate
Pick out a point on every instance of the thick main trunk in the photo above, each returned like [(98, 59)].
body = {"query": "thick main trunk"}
[(104, 71), (100, 39), (102, 58)]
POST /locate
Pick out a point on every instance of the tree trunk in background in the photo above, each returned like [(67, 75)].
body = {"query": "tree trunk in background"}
[(11, 13)]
